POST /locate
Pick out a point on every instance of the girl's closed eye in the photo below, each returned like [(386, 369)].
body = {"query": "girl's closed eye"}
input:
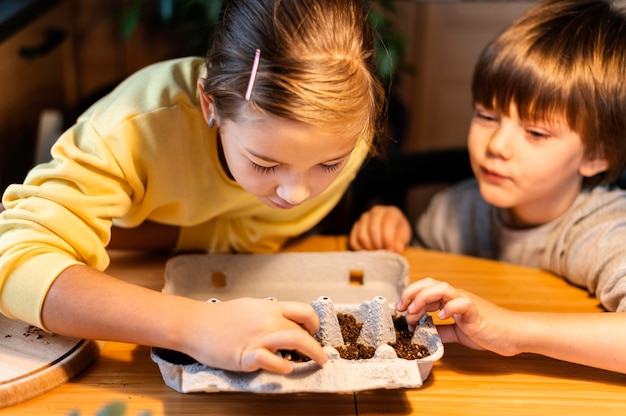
[(262, 169), (266, 170), (333, 167)]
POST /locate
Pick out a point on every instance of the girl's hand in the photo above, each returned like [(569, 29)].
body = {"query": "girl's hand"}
[(381, 228), (244, 334), (478, 323)]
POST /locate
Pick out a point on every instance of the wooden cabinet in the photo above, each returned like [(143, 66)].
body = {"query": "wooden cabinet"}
[(65, 59), (36, 73), (444, 40), (104, 57)]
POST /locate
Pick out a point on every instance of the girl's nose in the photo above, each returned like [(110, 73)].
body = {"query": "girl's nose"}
[(293, 194)]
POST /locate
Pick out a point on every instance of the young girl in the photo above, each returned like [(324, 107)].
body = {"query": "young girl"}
[(547, 133), (235, 154)]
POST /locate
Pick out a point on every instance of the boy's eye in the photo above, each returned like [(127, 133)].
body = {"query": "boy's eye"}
[(537, 134), (483, 115)]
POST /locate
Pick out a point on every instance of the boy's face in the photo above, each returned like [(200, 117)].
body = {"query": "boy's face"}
[(532, 169), (283, 162)]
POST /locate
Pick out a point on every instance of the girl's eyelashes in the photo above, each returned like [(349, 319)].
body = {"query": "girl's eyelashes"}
[(332, 168), (270, 169), (262, 169)]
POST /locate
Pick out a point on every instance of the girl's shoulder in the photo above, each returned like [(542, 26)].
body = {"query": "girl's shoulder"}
[(164, 85)]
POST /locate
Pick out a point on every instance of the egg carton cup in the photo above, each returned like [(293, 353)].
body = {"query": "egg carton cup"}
[(297, 276)]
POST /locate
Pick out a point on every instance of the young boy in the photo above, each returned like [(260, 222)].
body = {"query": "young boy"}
[(547, 135)]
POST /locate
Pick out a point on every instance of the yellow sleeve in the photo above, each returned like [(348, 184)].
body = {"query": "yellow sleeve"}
[(111, 165), (57, 218)]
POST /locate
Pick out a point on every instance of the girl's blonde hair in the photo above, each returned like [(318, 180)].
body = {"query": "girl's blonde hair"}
[(317, 63), (563, 58)]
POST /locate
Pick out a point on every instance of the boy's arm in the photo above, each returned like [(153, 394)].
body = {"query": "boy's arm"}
[(592, 339)]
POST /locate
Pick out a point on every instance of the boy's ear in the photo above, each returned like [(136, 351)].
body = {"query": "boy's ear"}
[(206, 102), (592, 166)]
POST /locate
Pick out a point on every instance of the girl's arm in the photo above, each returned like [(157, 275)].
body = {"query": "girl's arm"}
[(593, 339), (239, 335)]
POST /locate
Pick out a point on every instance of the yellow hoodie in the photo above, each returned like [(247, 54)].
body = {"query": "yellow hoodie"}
[(144, 152)]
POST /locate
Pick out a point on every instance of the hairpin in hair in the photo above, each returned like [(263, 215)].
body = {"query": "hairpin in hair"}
[(255, 68)]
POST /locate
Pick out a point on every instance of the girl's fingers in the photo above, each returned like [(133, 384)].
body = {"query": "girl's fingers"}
[(260, 358), (263, 356), (301, 313)]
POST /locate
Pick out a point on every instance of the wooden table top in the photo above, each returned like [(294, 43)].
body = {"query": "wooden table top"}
[(463, 382)]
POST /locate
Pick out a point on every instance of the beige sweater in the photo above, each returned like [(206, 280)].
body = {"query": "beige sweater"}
[(586, 245)]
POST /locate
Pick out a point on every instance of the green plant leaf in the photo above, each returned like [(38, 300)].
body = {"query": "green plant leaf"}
[(113, 409), (198, 17)]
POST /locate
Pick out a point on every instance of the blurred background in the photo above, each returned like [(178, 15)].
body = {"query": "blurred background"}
[(59, 56)]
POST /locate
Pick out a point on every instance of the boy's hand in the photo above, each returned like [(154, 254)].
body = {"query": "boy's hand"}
[(478, 324), (381, 228)]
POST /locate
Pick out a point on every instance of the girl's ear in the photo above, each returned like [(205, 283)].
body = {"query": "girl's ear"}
[(207, 104), (592, 166)]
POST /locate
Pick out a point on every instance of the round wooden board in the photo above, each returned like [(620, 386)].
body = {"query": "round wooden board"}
[(33, 362)]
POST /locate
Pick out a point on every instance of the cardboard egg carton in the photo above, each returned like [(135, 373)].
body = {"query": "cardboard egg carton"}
[(296, 276)]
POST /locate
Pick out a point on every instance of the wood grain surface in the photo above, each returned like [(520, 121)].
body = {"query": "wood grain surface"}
[(33, 361), (463, 382)]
